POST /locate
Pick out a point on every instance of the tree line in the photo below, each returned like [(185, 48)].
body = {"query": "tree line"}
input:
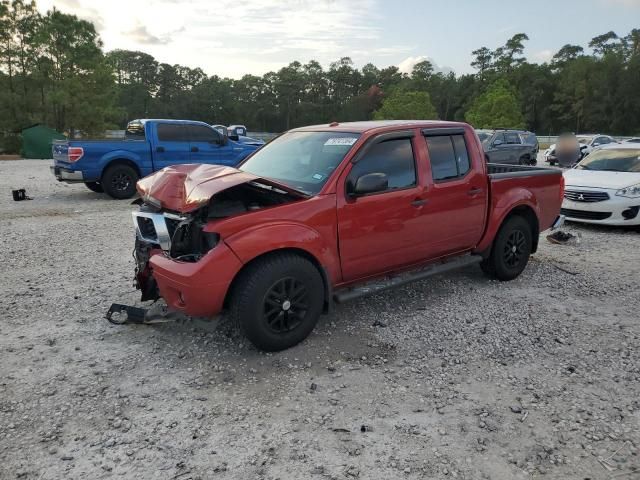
[(53, 70)]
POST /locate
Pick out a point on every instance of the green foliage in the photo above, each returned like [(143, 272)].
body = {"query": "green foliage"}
[(53, 71), (496, 108), (404, 105)]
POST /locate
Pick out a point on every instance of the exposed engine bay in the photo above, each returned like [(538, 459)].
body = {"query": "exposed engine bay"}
[(180, 235)]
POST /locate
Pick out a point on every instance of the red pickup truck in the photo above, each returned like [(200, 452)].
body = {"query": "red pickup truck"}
[(331, 212)]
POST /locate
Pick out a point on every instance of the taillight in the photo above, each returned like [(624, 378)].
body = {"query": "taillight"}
[(75, 153), (562, 187)]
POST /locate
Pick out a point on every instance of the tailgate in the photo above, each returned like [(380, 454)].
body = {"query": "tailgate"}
[(60, 151)]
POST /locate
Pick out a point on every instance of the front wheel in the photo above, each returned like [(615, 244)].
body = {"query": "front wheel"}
[(119, 181), (277, 301), (94, 187), (510, 252)]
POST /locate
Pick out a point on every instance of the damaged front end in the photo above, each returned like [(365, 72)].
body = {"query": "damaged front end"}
[(179, 207)]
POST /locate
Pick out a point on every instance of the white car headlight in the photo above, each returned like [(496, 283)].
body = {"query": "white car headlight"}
[(631, 192)]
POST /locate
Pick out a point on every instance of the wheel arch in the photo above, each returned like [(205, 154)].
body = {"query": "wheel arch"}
[(121, 161), (529, 214), (279, 251)]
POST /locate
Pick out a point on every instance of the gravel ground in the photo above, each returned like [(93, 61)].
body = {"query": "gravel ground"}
[(456, 377)]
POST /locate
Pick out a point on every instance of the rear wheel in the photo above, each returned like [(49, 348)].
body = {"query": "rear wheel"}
[(119, 181), (510, 251), (277, 301), (94, 187)]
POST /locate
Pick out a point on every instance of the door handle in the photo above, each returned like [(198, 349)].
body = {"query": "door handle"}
[(159, 149), (419, 202), (475, 191), (195, 149)]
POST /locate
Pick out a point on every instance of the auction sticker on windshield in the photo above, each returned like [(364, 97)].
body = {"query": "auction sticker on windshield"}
[(342, 141)]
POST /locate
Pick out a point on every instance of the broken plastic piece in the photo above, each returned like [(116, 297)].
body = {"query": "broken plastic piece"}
[(125, 314)]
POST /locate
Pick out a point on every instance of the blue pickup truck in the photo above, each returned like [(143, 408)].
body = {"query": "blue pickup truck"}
[(114, 166)]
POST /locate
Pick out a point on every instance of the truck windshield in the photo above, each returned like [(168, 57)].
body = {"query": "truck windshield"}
[(301, 160), (612, 160)]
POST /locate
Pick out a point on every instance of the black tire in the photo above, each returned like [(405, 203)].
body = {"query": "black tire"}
[(277, 301), (119, 181), (94, 187), (510, 251)]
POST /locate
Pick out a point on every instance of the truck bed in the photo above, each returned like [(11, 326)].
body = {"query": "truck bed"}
[(498, 170)]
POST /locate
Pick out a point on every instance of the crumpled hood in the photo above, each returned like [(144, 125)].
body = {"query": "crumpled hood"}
[(600, 179), (184, 188)]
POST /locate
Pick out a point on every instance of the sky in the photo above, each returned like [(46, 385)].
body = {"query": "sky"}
[(231, 38)]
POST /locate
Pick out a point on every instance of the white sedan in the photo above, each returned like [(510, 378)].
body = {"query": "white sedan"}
[(604, 188)]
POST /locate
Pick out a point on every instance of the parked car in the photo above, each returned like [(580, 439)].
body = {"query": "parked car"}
[(323, 213), (233, 135), (513, 147), (633, 140), (587, 144), (604, 187), (114, 166)]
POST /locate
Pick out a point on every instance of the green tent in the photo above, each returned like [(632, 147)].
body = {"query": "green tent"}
[(37, 139)]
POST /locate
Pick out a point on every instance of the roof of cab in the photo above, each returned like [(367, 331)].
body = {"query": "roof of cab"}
[(361, 127)]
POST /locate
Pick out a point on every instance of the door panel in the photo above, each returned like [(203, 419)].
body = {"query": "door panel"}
[(385, 230), (172, 146), (457, 206), (205, 146)]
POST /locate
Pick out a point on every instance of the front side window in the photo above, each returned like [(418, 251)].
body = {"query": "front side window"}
[(499, 137), (301, 160), (172, 132), (394, 158), (449, 157), (201, 133)]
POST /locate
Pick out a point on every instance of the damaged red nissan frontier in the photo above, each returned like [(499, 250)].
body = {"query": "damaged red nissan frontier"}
[(328, 213)]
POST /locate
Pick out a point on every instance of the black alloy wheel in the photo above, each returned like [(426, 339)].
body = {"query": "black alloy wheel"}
[(285, 305)]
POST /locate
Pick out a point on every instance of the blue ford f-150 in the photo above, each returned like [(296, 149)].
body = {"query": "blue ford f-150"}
[(114, 166)]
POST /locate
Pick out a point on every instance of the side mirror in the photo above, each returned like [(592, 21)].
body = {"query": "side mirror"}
[(369, 183), (596, 144), (497, 143)]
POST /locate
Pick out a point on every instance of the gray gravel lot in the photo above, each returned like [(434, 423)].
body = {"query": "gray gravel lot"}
[(456, 377)]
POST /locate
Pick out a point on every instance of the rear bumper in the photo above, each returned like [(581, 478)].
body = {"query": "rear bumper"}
[(197, 288), (66, 175)]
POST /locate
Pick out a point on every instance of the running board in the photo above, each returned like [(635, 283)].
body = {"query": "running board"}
[(376, 286)]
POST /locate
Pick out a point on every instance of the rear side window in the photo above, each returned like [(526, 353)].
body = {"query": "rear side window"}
[(394, 158), (449, 157), (172, 132), (134, 131), (201, 133), (512, 138)]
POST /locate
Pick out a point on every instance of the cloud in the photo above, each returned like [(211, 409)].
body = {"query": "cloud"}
[(406, 66), (140, 34), (88, 13), (543, 56), (224, 36)]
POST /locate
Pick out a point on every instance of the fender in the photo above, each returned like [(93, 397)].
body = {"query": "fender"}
[(260, 239), (502, 205)]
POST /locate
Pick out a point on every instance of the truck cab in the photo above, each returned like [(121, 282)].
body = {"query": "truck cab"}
[(114, 166)]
